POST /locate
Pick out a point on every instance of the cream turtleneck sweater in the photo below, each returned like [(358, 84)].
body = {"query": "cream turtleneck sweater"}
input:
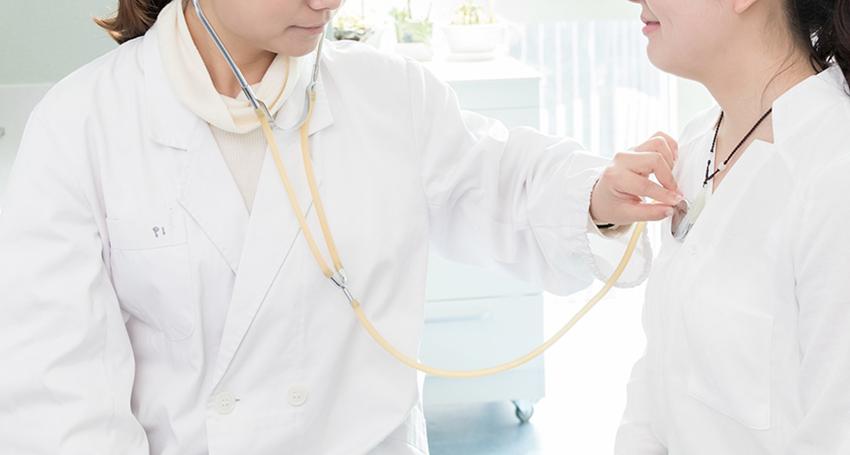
[(232, 120)]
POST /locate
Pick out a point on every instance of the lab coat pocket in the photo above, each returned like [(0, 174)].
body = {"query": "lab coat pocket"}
[(730, 352), (150, 271)]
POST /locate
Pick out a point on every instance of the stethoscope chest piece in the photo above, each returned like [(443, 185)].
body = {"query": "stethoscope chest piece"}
[(680, 226), (685, 216)]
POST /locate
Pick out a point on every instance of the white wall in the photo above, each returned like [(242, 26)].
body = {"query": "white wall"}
[(43, 40)]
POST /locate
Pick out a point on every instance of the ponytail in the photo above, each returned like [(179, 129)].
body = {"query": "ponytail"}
[(133, 19), (823, 27)]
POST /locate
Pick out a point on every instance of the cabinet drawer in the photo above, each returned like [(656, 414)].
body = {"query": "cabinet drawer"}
[(449, 280), (476, 333)]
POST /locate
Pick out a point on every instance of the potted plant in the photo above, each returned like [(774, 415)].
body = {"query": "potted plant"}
[(413, 35), (355, 27), (474, 33), (351, 28)]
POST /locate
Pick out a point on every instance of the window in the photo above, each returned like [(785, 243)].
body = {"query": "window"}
[(598, 86)]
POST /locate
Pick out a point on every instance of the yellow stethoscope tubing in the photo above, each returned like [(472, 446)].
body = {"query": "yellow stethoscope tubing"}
[(339, 278)]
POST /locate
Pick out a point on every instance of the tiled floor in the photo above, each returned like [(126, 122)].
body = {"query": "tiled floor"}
[(586, 375)]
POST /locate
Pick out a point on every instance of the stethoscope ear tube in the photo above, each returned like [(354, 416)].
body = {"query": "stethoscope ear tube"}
[(243, 83), (256, 103)]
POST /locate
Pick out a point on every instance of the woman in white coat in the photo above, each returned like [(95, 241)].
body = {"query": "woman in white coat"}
[(157, 294), (748, 315)]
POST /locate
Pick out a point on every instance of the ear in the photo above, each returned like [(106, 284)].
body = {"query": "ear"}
[(741, 6)]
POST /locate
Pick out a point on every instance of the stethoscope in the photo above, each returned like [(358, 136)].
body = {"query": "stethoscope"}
[(337, 275)]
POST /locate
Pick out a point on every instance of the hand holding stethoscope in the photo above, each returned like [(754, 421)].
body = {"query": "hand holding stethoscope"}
[(621, 194)]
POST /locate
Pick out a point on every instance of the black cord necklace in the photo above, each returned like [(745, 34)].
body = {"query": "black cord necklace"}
[(722, 166)]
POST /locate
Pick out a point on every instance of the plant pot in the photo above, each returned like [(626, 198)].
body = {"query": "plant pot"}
[(414, 31), (475, 39), (422, 52), (351, 28)]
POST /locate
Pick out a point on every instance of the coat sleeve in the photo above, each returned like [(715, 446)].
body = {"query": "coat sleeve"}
[(68, 366), (516, 200), (822, 267)]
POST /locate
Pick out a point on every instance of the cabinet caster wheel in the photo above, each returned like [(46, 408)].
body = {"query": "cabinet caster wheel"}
[(524, 410)]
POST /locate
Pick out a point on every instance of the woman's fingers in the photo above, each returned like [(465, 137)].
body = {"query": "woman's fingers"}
[(627, 182), (641, 186), (649, 163), (674, 146), (663, 144), (647, 212)]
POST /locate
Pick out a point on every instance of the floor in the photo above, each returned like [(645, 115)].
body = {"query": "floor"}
[(586, 375)]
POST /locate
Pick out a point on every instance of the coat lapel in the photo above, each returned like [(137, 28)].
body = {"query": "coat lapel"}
[(207, 190), (211, 197), (273, 228)]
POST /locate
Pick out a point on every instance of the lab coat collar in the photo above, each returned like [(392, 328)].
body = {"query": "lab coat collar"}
[(796, 107), (792, 111)]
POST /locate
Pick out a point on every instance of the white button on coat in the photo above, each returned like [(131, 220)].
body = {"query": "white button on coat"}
[(297, 396), (224, 403)]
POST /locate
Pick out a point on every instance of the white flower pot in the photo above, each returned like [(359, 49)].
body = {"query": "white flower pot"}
[(418, 51), (475, 39)]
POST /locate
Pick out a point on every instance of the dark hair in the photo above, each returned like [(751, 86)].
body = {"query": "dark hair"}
[(823, 26), (133, 19)]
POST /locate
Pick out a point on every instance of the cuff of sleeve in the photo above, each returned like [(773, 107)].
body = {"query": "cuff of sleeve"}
[(560, 219), (611, 233), (557, 217), (605, 249)]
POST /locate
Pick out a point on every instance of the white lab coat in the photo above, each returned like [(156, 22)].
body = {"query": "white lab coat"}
[(144, 310), (748, 320)]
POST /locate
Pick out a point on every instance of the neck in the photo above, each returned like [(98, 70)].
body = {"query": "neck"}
[(746, 92), (252, 61)]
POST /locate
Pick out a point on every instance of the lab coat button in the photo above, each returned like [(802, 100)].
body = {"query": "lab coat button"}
[(224, 403), (297, 396)]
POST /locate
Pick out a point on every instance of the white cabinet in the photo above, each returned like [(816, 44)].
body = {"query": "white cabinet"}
[(473, 317)]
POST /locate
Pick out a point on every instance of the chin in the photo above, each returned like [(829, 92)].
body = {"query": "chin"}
[(296, 48), (673, 63), (300, 51), (662, 60)]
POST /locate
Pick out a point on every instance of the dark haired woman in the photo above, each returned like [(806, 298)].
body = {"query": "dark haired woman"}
[(748, 306), (157, 295)]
